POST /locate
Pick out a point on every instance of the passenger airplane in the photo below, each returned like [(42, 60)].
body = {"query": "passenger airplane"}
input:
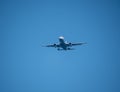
[(64, 45)]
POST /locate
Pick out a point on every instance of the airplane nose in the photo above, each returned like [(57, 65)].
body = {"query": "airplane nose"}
[(61, 37)]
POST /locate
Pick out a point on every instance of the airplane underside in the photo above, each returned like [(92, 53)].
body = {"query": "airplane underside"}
[(63, 45), (65, 48)]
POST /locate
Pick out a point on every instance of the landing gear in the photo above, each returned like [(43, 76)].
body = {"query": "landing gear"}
[(58, 49), (69, 48)]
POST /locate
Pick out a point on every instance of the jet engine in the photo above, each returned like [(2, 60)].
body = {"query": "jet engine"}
[(55, 45), (70, 44)]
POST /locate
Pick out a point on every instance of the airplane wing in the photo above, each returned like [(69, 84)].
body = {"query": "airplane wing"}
[(53, 45), (75, 44)]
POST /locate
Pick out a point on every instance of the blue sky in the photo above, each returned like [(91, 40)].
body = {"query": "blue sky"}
[(25, 66)]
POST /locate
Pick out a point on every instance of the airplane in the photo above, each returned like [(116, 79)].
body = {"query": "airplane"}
[(64, 45)]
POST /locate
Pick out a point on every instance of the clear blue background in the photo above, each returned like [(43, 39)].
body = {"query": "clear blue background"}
[(25, 66)]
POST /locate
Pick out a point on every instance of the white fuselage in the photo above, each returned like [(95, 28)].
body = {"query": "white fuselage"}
[(62, 43)]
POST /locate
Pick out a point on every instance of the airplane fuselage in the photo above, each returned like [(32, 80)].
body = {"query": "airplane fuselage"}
[(62, 43)]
